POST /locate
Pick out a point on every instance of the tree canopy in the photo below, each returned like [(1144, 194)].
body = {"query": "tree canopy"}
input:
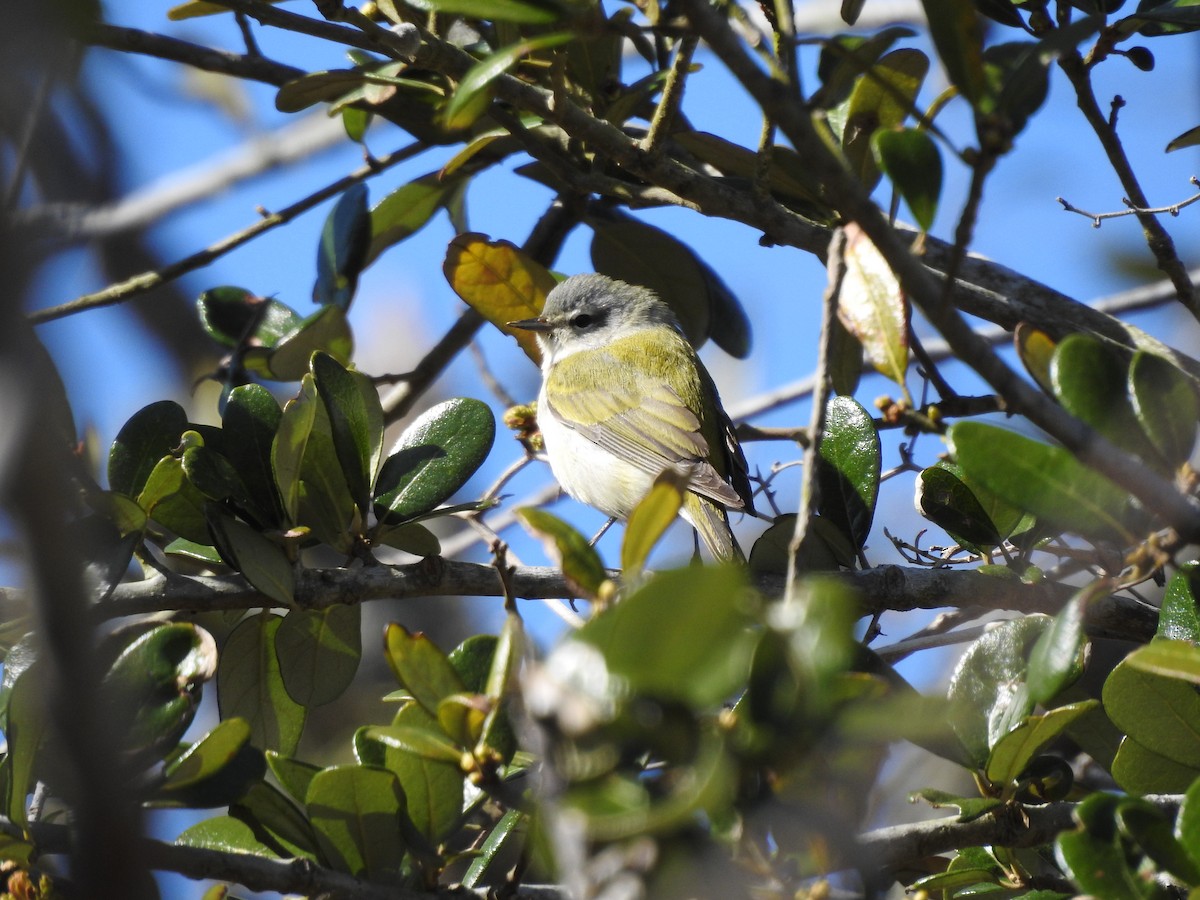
[(184, 623)]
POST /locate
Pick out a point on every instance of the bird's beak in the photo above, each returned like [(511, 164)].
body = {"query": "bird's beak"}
[(538, 324)]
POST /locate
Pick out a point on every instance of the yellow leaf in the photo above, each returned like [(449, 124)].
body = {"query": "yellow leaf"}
[(500, 282)]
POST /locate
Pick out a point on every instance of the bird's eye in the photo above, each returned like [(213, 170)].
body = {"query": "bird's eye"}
[(583, 320)]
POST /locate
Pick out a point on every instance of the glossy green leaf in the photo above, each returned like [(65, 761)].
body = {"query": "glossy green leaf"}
[(502, 835), (957, 33), (1047, 481), (1098, 865), (1157, 711), (1014, 751), (972, 517), (420, 667), (952, 880), (208, 756), (882, 99), (214, 476), (988, 684), (463, 108), (472, 660), (292, 435), (26, 727), (1057, 658), (249, 684), (319, 652), (1138, 769), (579, 561), (848, 468), (236, 317), (171, 499), (843, 59), (343, 248), (461, 717), (414, 740), (262, 561), (1092, 382), (969, 808), (433, 458), (1187, 822), (411, 537), (701, 664), (250, 420), (433, 788), (1171, 659), (911, 159), (406, 210), (225, 834), (1153, 831), (293, 774), (149, 435), (522, 12), (650, 520), (152, 688), (873, 308), (1165, 404), (277, 822), (356, 420), (215, 772), (325, 330)]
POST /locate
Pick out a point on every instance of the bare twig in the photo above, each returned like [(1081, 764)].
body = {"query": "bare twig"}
[(1132, 209), (672, 96)]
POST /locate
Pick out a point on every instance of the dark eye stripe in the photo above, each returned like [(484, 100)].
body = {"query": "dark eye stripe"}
[(583, 320)]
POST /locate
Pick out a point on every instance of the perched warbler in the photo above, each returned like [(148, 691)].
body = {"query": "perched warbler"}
[(625, 397)]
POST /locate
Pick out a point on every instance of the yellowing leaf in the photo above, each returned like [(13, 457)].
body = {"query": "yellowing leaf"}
[(499, 282), (650, 520), (872, 306)]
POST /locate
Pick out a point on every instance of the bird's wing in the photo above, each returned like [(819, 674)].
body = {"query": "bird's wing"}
[(640, 419)]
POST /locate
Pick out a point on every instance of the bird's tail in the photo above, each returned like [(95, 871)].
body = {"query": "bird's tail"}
[(711, 520)]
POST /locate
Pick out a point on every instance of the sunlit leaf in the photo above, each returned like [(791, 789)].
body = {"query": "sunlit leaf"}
[(356, 420), (421, 667), (848, 468), (882, 98), (256, 556), (406, 210), (1179, 617), (872, 306), (911, 159), (1165, 404), (650, 520), (1014, 751), (462, 109), (355, 812), (579, 561), (149, 435)]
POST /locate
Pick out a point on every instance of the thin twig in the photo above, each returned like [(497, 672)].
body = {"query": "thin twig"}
[(672, 96), (1132, 209), (140, 284)]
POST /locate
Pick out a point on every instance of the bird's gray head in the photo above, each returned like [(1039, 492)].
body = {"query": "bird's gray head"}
[(588, 311)]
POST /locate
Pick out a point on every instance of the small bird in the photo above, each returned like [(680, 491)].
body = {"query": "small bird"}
[(624, 397)]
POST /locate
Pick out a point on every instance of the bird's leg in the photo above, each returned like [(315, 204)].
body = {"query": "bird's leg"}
[(603, 529)]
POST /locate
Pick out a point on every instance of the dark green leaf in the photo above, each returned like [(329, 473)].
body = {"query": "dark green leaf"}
[(848, 468), (319, 652), (579, 561), (433, 458), (1141, 770), (957, 34), (236, 317), (250, 685), (522, 12), (215, 772), (1047, 481), (1165, 404), (293, 774), (911, 159), (261, 560), (250, 420), (1157, 711), (1179, 618), (969, 808), (407, 209), (987, 686), (356, 420), (1169, 17), (326, 330), (1057, 658), (214, 476), (207, 756), (972, 519), (343, 249), (149, 435), (26, 725), (503, 833), (1014, 751), (276, 821), (355, 814), (1152, 830), (882, 98), (701, 664), (411, 537), (470, 96), (421, 667), (1018, 81), (225, 834)]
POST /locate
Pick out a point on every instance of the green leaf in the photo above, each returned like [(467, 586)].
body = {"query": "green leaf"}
[(1047, 481), (1180, 616), (355, 122), (319, 652), (882, 98), (1093, 383), (701, 664), (26, 726), (503, 833), (413, 740), (873, 308), (225, 834), (149, 435), (1139, 769), (356, 420), (249, 684), (277, 822), (1187, 822), (325, 330), (911, 159), (406, 210), (988, 684), (1171, 659), (1152, 830), (420, 667), (1057, 658), (250, 421), (294, 774), (1157, 711), (969, 808), (1166, 406), (1098, 865), (1017, 76), (215, 772), (463, 108), (433, 458), (973, 518), (650, 520), (433, 789), (848, 468), (411, 537), (1170, 17), (171, 499), (343, 249), (1189, 138), (957, 33), (236, 317), (1014, 751), (208, 756), (579, 561), (257, 557), (151, 690), (521, 12)]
